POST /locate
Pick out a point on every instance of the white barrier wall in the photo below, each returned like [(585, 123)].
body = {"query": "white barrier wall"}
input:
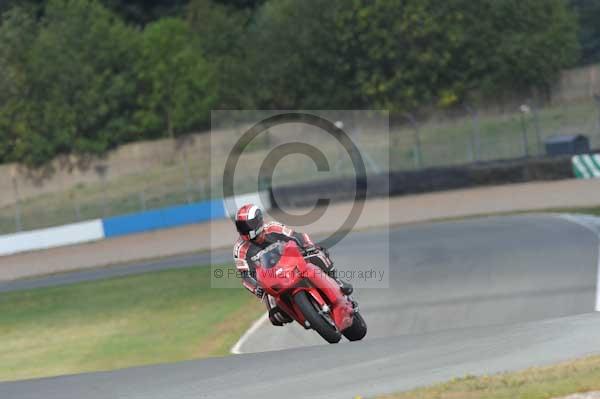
[(51, 237)]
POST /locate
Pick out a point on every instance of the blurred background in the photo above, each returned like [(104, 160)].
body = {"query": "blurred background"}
[(105, 105)]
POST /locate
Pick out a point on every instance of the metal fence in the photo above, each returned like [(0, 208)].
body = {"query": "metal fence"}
[(143, 176)]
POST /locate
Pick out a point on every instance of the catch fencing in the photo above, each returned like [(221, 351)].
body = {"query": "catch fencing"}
[(140, 177)]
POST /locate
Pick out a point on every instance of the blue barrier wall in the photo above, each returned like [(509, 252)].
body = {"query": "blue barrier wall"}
[(132, 223), (163, 218)]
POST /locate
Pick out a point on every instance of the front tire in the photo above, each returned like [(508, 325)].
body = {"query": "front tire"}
[(357, 330), (322, 326)]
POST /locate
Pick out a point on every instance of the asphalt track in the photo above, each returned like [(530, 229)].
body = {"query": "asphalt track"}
[(476, 296), (173, 262)]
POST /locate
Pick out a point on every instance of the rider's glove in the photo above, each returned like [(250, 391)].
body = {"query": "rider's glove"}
[(259, 292), (312, 249)]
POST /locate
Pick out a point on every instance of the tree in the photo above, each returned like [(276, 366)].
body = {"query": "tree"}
[(76, 78), (17, 35), (241, 3), (222, 37), (76, 90), (294, 53), (409, 53), (177, 83), (400, 53), (142, 12), (588, 14), (530, 43), (83, 87)]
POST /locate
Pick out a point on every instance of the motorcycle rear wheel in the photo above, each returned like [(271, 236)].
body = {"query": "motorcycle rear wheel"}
[(357, 330), (322, 326)]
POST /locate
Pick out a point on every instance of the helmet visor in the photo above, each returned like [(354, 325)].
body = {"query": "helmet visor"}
[(246, 226)]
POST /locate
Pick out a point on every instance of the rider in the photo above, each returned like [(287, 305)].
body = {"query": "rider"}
[(255, 235)]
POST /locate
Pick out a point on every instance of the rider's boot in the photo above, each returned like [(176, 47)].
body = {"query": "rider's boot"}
[(276, 315), (346, 288)]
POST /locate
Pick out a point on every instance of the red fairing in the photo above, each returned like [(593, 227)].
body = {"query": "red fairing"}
[(292, 274), (332, 296)]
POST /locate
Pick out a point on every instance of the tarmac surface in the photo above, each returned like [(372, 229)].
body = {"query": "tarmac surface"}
[(469, 297), (172, 262)]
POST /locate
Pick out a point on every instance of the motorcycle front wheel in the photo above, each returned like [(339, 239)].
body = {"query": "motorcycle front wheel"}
[(318, 322)]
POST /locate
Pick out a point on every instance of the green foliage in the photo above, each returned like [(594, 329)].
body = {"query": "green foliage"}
[(74, 94), (77, 79), (413, 52), (400, 54), (403, 51), (534, 40), (221, 34), (142, 12), (588, 14), (17, 34), (82, 76), (295, 58), (176, 80), (80, 92)]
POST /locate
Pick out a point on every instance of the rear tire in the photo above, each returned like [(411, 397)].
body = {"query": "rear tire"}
[(317, 321), (357, 330)]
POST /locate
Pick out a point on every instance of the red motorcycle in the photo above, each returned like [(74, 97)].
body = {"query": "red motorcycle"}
[(307, 294)]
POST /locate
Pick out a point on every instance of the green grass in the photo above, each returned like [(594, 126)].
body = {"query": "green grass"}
[(537, 383), (150, 318), (593, 211)]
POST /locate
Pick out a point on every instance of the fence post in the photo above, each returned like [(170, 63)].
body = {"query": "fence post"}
[(186, 173), (76, 207), (18, 216), (524, 110), (202, 189), (477, 128), (338, 151), (417, 151), (475, 132), (101, 171), (597, 100), (536, 124), (142, 198)]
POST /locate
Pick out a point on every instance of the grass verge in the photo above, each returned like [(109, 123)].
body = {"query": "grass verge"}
[(150, 318), (560, 380), (595, 210)]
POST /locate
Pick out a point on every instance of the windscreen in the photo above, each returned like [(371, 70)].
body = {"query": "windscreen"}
[(270, 256)]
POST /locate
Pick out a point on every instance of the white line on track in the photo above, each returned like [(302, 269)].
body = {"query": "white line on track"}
[(237, 348), (592, 223)]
